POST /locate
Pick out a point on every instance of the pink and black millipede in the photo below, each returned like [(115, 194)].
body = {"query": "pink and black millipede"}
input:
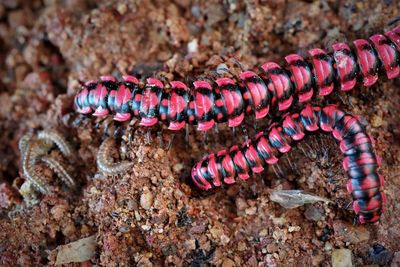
[(360, 161), (228, 100)]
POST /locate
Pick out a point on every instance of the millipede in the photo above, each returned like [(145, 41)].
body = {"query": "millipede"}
[(206, 102), (360, 161)]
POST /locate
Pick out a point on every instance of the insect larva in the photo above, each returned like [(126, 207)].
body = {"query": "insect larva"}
[(228, 100), (360, 161), (52, 136), (29, 172), (56, 167), (105, 163), (35, 150)]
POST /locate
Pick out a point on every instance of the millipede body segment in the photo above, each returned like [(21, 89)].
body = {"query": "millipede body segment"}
[(360, 161), (229, 100)]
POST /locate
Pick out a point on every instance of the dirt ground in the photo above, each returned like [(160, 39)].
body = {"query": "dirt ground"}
[(152, 215)]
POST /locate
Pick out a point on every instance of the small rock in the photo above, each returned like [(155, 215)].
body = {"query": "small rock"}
[(241, 204), (177, 168), (270, 260), (78, 251), (378, 254), (396, 259), (146, 227), (328, 246), (352, 234), (146, 199), (59, 211), (193, 46), (225, 239), (376, 121), (272, 247), (196, 12), (294, 229), (313, 213), (122, 8), (341, 258), (251, 211), (190, 244), (198, 227), (216, 232), (17, 18), (316, 260), (7, 196), (69, 229), (264, 232), (241, 246), (84, 229), (228, 263), (169, 250), (159, 154)]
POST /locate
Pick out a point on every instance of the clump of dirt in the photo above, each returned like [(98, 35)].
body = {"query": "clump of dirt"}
[(152, 215)]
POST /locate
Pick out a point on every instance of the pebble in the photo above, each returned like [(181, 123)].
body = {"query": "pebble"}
[(190, 244), (177, 168), (69, 229), (272, 247), (313, 213), (251, 211), (225, 239), (146, 199), (376, 121), (79, 251), (241, 204), (7, 196), (59, 211), (193, 46), (316, 260), (122, 8), (351, 234), (378, 254), (159, 154), (341, 258), (242, 246), (196, 12), (294, 229), (216, 232), (146, 227), (269, 260), (169, 249), (396, 259), (264, 232), (17, 18), (228, 263), (328, 246)]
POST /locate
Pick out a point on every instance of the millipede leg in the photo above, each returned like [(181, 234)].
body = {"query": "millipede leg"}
[(170, 141), (147, 139), (187, 133), (160, 138)]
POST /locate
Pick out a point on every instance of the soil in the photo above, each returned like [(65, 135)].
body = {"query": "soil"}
[(152, 215)]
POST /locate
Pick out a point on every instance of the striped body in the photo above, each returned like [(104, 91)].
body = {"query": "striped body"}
[(227, 100), (360, 161)]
